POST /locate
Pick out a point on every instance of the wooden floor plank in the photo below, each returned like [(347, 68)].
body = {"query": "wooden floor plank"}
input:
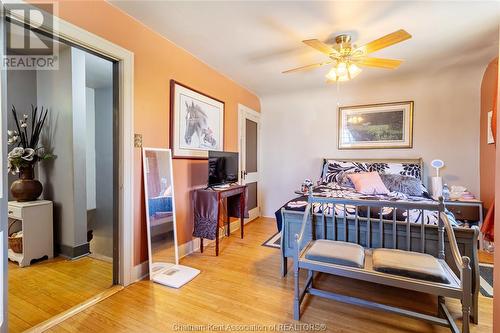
[(243, 286), (45, 289)]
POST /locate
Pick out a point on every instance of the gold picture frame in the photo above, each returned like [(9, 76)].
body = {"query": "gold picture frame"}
[(376, 126)]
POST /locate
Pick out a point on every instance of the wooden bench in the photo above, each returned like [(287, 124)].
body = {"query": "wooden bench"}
[(407, 269)]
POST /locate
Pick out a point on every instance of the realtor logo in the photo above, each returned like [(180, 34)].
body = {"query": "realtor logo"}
[(28, 46)]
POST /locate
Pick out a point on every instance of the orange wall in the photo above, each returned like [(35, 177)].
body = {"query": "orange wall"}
[(487, 151), (158, 60), (496, 272)]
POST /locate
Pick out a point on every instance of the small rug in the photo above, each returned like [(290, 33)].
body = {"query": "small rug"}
[(486, 279), (274, 241)]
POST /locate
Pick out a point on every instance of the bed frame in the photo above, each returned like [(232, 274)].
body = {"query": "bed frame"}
[(369, 235), (459, 287)]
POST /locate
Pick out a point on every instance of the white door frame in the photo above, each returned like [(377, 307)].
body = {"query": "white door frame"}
[(125, 58), (243, 113), (3, 185)]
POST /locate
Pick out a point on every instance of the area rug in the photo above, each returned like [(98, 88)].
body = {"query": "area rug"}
[(486, 278), (274, 241), (485, 270)]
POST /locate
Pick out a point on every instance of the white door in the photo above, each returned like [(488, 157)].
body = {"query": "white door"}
[(3, 186), (249, 132)]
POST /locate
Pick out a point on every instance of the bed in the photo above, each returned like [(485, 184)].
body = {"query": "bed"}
[(289, 216)]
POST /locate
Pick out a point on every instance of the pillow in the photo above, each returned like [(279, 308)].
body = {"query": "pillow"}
[(403, 168), (368, 183), (405, 184), (334, 170), (345, 181)]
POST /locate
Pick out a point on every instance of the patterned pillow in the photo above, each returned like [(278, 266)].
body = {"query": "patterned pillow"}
[(333, 170), (405, 169)]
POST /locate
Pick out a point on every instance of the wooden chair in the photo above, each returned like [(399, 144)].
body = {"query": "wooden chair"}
[(408, 269)]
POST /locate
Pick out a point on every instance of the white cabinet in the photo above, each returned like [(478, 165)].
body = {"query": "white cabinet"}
[(38, 230)]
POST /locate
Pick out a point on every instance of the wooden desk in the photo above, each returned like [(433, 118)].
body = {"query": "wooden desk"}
[(207, 211)]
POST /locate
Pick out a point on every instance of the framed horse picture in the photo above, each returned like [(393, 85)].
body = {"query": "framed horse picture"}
[(196, 122)]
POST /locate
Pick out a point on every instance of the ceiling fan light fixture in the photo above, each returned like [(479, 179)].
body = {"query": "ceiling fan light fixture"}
[(343, 72)]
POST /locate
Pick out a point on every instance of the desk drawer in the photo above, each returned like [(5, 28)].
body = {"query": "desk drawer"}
[(465, 213), (15, 212)]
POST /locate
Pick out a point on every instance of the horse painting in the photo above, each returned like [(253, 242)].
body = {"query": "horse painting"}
[(197, 124)]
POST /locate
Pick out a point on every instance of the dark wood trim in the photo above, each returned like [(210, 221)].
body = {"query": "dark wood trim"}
[(172, 119)]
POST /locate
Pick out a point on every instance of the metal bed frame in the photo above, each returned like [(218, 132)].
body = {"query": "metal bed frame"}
[(458, 287)]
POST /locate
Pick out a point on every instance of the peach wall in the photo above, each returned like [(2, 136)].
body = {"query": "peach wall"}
[(157, 61), (487, 151), (496, 272)]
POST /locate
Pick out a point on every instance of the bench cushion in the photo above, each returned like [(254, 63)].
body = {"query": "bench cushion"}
[(339, 253), (409, 264)]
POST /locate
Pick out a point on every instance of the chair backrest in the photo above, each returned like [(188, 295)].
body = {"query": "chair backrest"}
[(377, 213)]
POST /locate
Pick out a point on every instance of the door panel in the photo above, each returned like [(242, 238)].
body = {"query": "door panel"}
[(251, 146), (252, 195)]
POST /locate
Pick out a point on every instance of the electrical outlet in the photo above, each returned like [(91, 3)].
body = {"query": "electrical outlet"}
[(138, 140)]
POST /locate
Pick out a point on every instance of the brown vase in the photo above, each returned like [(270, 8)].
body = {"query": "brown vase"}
[(26, 188)]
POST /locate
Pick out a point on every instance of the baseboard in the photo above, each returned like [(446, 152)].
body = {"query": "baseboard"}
[(73, 252), (100, 257), (140, 271)]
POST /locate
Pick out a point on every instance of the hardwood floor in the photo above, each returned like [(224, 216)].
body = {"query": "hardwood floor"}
[(486, 257), (243, 286), (40, 291)]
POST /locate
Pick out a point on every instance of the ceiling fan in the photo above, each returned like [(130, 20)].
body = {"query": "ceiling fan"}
[(347, 57)]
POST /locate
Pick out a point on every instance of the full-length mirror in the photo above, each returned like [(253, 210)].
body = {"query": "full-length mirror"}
[(160, 207), (160, 216)]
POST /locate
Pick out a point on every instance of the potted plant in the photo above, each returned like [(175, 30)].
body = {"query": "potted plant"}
[(25, 153)]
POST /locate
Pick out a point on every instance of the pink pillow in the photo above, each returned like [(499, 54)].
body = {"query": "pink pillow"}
[(368, 183)]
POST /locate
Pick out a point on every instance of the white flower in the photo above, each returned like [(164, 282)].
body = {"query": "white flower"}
[(28, 154), (10, 133), (25, 116), (16, 152), (24, 125)]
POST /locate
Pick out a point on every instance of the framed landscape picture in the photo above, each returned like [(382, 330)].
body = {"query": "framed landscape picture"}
[(372, 126), (196, 122)]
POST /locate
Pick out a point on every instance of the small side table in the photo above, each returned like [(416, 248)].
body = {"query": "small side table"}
[(468, 211), (207, 211), (38, 228)]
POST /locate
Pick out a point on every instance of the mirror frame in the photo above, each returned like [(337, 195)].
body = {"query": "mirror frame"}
[(148, 223)]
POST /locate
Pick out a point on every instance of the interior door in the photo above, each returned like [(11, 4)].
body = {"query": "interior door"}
[(249, 121)]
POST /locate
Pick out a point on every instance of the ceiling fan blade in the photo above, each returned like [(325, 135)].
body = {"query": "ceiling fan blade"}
[(302, 68), (383, 42), (379, 63), (320, 46)]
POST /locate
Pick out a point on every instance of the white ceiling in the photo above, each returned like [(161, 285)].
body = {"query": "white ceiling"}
[(253, 41)]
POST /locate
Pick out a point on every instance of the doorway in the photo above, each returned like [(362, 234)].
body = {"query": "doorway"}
[(250, 152), (67, 238), (123, 154)]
